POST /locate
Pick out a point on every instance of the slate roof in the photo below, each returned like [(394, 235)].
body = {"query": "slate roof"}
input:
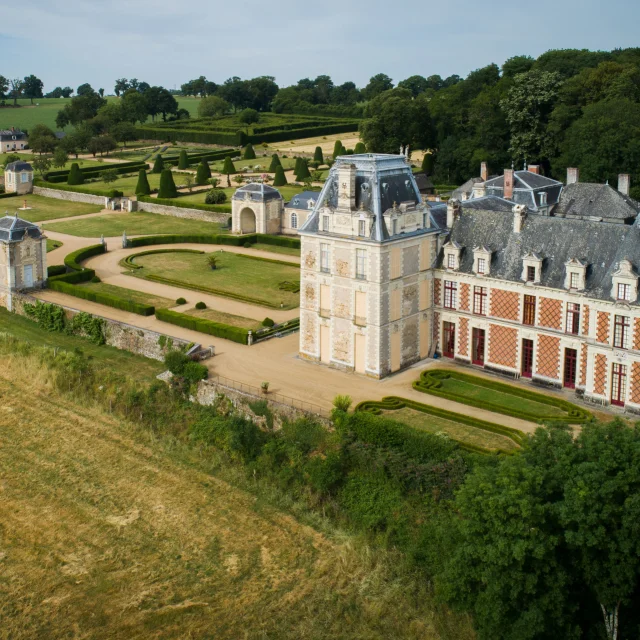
[(13, 229), (257, 192), (8, 134), (18, 165), (467, 188), (527, 187), (599, 245), (423, 181), (301, 200), (586, 200)]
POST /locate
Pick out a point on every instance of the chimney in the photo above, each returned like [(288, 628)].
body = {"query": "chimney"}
[(347, 186), (508, 184), (624, 182), (573, 175), (484, 172), (534, 168), (453, 210), (519, 214)]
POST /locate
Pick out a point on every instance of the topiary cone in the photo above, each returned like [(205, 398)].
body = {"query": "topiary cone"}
[(203, 173), (167, 185), (249, 153), (158, 165), (317, 155), (303, 171), (183, 161), (275, 163), (75, 175), (280, 179), (143, 188)]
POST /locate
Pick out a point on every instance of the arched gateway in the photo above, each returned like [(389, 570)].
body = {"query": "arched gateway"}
[(256, 208)]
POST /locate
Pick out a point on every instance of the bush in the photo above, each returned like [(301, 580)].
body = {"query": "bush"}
[(318, 156), (158, 165), (73, 259), (215, 196), (247, 245), (218, 329), (275, 163), (183, 162), (95, 279), (280, 180), (427, 163), (268, 322), (75, 175), (249, 153), (181, 301), (249, 116), (167, 185), (143, 188), (225, 239), (302, 172), (55, 269), (203, 173), (194, 372), (342, 403), (360, 148), (228, 167), (337, 149), (201, 305), (176, 361)]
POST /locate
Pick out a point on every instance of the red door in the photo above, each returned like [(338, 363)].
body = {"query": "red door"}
[(570, 364), (527, 358), (618, 384), (478, 347), (449, 343)]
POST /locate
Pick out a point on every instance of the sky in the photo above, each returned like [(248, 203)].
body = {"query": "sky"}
[(167, 42)]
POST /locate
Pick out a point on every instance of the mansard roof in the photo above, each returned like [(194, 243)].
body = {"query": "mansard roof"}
[(524, 180), (302, 200), (586, 200), (18, 165), (256, 191), (14, 229)]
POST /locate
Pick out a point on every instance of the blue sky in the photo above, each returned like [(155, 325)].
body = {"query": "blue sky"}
[(68, 42)]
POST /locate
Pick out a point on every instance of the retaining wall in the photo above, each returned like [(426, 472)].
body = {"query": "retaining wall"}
[(180, 212), (72, 196)]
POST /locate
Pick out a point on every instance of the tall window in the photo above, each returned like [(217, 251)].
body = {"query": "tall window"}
[(324, 258), (573, 318), (481, 265), (621, 332), (25, 177), (450, 294), (361, 227), (325, 223), (451, 261), (394, 227), (361, 264), (529, 315), (573, 281), (531, 274), (624, 292), (294, 220), (480, 301)]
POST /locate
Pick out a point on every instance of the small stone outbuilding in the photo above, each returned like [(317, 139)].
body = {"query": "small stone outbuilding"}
[(18, 177), (256, 208)]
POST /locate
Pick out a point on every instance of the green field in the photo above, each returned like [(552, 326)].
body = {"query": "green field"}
[(137, 223), (129, 294), (127, 183), (45, 208), (256, 280), (224, 318)]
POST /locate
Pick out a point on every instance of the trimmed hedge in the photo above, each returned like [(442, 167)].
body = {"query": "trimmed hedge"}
[(73, 259), (203, 137), (431, 382), (289, 325), (234, 241), (94, 172), (218, 329), (273, 260), (84, 188), (394, 403), (56, 270), (168, 202)]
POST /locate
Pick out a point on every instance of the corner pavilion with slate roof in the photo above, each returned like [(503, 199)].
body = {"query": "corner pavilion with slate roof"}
[(23, 258)]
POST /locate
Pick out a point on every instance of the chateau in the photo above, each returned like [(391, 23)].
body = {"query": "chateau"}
[(525, 276)]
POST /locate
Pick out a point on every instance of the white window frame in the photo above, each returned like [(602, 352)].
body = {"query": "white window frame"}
[(294, 220), (325, 223), (361, 264), (324, 258)]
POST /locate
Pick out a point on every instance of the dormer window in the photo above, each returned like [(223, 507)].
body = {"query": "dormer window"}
[(575, 272), (481, 266), (362, 224), (531, 268), (452, 255), (624, 292), (311, 204), (481, 261), (531, 274), (394, 227), (451, 261), (624, 283), (325, 223), (294, 220)]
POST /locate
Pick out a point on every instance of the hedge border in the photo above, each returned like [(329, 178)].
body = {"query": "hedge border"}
[(430, 382), (128, 261), (172, 202), (394, 403), (218, 329), (223, 239), (82, 188)]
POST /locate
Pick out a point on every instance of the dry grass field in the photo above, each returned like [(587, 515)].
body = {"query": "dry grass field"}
[(108, 533)]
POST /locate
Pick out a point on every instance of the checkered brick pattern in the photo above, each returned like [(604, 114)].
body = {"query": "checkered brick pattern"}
[(503, 346), (548, 361), (602, 327), (505, 304), (634, 396), (436, 292), (636, 334), (463, 337), (436, 330), (585, 320), (464, 297), (583, 365), (600, 374), (550, 314)]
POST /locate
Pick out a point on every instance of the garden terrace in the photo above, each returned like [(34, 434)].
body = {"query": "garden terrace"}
[(43, 208)]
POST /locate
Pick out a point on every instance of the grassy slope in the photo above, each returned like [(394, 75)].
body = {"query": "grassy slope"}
[(138, 223), (112, 358), (106, 534), (45, 208), (235, 273)]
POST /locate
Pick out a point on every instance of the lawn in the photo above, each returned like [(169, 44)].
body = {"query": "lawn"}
[(224, 318), (289, 251), (462, 433), (287, 192), (136, 223), (240, 277), (127, 183), (53, 244), (262, 163), (45, 208), (129, 294), (111, 358)]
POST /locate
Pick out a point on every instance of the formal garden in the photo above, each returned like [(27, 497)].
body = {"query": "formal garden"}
[(41, 209)]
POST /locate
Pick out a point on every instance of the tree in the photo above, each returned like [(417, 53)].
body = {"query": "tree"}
[(317, 155), (280, 179), (203, 173), (121, 86), (228, 168), (81, 108), (42, 164), (76, 141), (60, 158), (275, 163), (16, 89), (518, 64), (108, 176), (427, 163), (42, 139), (159, 100), (212, 261), (415, 84), (249, 153), (337, 149), (134, 106), (302, 171), (360, 148), (167, 185), (249, 116), (158, 164), (85, 90), (142, 186), (101, 145), (66, 92), (262, 90), (377, 85), (32, 87), (75, 175), (212, 106), (188, 181), (124, 132), (4, 87), (214, 182), (183, 161), (237, 92)]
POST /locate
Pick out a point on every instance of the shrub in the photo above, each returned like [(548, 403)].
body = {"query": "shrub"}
[(228, 167), (183, 162), (342, 403), (215, 196), (249, 116), (318, 156), (55, 269), (360, 148), (249, 153), (302, 173), (203, 173), (75, 175), (247, 245), (194, 372), (268, 322), (280, 180), (95, 279), (158, 165), (167, 185), (176, 361), (337, 149), (181, 301), (201, 305), (143, 188), (427, 163), (275, 163), (235, 334)]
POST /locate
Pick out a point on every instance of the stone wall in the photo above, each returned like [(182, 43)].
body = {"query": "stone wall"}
[(71, 196), (117, 334), (180, 212)]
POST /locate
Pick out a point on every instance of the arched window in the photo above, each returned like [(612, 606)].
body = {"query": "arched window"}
[(294, 220)]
